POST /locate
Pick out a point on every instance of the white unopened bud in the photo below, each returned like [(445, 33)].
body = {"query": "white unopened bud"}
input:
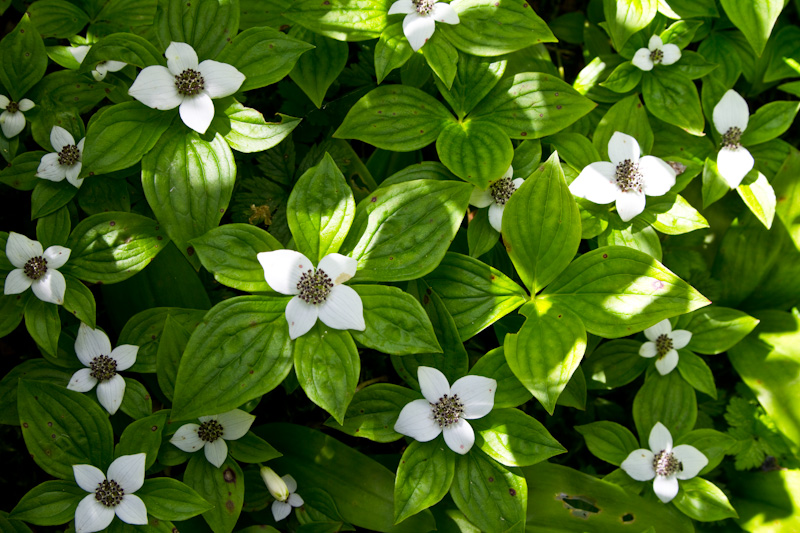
[(277, 487)]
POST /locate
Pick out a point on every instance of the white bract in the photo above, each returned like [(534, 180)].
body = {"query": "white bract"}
[(102, 68), (35, 268), (211, 434), (731, 116), (283, 489), (496, 196), (446, 409), (626, 179), (318, 293), (12, 121), (65, 162), (94, 350), (664, 463), (421, 18), (185, 83), (110, 495), (656, 53), (664, 343)]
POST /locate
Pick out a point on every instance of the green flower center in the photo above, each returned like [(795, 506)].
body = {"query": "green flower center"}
[(663, 345), (314, 287), (69, 155), (12, 107), (103, 368), (656, 56), (628, 176), (731, 138), (189, 82), (423, 7), (502, 190), (447, 410), (35, 268), (210, 431), (665, 464), (109, 493)]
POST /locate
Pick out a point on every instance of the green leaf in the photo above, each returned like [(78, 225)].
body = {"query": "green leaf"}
[(33, 370), (424, 476), (57, 18), (515, 26), (532, 105), (252, 449), (475, 77), (626, 116), (442, 57), (79, 301), (18, 75), (693, 65), (475, 294), (666, 399), (754, 19), (21, 172), (144, 330), (404, 230), (682, 32), (671, 214), (144, 435), (249, 132), (624, 78), (62, 428), (137, 402), (43, 324), (391, 51), (477, 152), (126, 47), (54, 228), (221, 487), (714, 185), (711, 443), (169, 499), (229, 252), (316, 70), (395, 117), (48, 197), (787, 189), (510, 392), (171, 346), (481, 236), (514, 438), (126, 13), (717, 329), (51, 503), (608, 441), (111, 247), (702, 500), (205, 25), (626, 17), (759, 196), (99, 194), (636, 234), (666, 91), (242, 350), (343, 20), (614, 364), (696, 372), (574, 149), (327, 366), (373, 412), (770, 121)]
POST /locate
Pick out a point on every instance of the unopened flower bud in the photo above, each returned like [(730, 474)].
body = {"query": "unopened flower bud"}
[(277, 487)]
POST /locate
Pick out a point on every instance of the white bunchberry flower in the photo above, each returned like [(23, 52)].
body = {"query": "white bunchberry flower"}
[(731, 116), (102, 364), (12, 121), (656, 53), (185, 83), (110, 495), (421, 19), (35, 268), (318, 293), (283, 489), (211, 434), (102, 68), (65, 162), (496, 196), (664, 344), (446, 409), (664, 463), (626, 179)]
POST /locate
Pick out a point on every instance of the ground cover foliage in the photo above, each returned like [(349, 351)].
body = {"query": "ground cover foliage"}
[(402, 266)]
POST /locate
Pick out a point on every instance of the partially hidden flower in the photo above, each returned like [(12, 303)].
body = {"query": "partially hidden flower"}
[(211, 434), (664, 463), (102, 366), (656, 53), (663, 343), (318, 293), (110, 495), (446, 409), (626, 179), (65, 162), (102, 68), (731, 116), (496, 196), (12, 121), (35, 268), (284, 490), (421, 18), (185, 83)]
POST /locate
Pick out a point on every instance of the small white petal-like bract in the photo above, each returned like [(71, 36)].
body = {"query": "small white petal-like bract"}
[(284, 490), (626, 179), (496, 196), (656, 53), (111, 494), (36, 269), (65, 162), (731, 116), (665, 463), (663, 343), (12, 121), (446, 409), (211, 434), (187, 84), (421, 18)]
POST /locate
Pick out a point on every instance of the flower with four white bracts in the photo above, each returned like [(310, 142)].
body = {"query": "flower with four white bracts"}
[(102, 364), (185, 83), (496, 196), (446, 409), (65, 162), (110, 495), (664, 343), (12, 121), (421, 18), (656, 53), (626, 179), (102, 68), (35, 268), (211, 434), (318, 293), (664, 463), (283, 489), (731, 116)]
